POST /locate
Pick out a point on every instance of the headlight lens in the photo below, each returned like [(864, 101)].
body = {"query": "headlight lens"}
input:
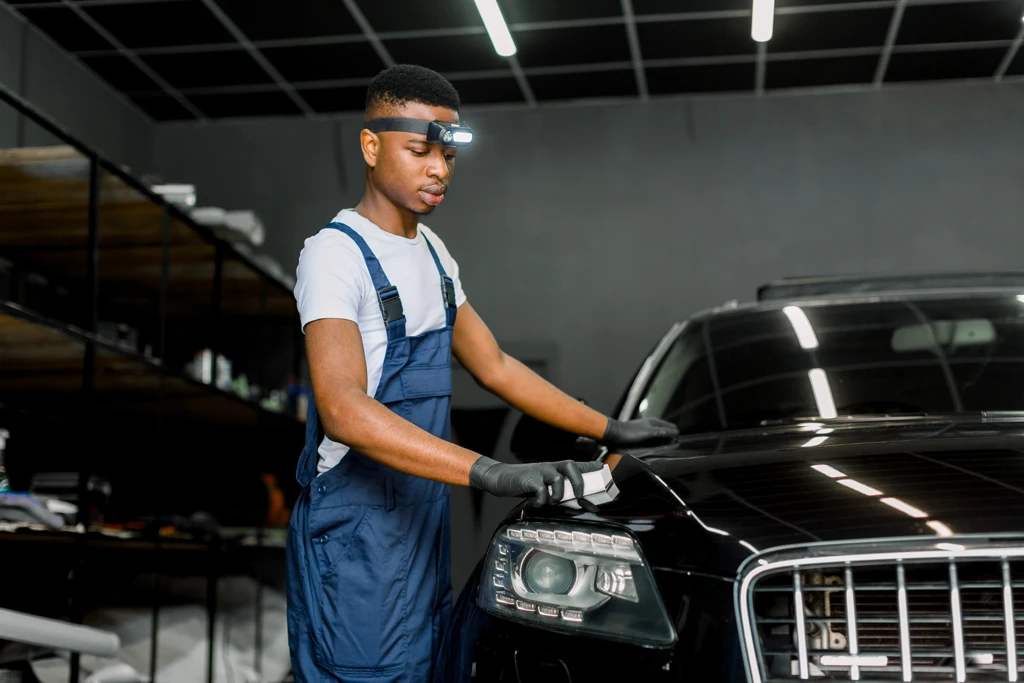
[(574, 578)]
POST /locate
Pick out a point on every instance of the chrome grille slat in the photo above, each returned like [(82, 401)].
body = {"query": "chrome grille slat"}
[(801, 627), (874, 616), (851, 623), (901, 597), (958, 625), (1008, 619)]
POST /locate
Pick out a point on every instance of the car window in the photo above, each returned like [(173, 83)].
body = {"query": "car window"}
[(935, 356), (682, 385)]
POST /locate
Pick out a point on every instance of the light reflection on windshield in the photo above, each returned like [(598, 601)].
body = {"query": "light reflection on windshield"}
[(928, 356)]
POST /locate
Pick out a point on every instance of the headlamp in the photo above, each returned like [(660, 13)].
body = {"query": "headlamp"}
[(574, 578), (447, 133)]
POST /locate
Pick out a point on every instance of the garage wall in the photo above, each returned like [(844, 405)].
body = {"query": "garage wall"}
[(77, 99), (591, 228)]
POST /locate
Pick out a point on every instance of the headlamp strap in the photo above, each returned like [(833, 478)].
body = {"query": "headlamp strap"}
[(398, 124)]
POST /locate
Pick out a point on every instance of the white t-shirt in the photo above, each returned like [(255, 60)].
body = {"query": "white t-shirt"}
[(332, 281)]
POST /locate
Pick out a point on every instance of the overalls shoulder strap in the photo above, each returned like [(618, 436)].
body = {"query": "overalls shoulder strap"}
[(447, 285), (387, 294)]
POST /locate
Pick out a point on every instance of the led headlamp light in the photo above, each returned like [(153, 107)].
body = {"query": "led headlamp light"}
[(447, 133)]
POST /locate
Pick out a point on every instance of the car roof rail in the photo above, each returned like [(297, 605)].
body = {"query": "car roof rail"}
[(832, 285)]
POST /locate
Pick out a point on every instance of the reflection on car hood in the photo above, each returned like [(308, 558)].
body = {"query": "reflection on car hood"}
[(706, 504)]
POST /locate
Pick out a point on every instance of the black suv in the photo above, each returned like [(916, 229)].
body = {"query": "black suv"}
[(845, 502)]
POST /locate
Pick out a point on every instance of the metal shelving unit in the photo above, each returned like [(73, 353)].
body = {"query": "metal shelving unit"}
[(85, 247)]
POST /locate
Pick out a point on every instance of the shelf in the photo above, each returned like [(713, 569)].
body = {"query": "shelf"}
[(100, 540), (42, 364), (44, 208)]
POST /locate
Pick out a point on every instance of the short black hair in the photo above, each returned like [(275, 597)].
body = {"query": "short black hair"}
[(403, 83)]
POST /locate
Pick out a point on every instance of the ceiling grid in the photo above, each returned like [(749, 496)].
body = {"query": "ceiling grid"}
[(217, 59)]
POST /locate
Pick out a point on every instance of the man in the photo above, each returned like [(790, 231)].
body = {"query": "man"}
[(382, 307)]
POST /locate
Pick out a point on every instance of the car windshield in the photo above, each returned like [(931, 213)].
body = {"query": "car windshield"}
[(927, 356)]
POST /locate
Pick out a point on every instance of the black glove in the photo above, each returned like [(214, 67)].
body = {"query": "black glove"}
[(625, 433), (530, 480)]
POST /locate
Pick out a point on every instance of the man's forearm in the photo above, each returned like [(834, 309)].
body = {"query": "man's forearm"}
[(368, 426), (530, 393)]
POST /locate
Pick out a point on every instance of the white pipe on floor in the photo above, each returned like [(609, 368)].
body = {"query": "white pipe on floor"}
[(60, 635)]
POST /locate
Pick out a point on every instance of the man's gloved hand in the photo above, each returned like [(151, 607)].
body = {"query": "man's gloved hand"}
[(530, 480), (628, 432)]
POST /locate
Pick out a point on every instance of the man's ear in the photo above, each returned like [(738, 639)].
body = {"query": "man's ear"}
[(370, 144)]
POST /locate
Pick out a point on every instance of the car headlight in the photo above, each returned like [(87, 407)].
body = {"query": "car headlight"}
[(576, 579)]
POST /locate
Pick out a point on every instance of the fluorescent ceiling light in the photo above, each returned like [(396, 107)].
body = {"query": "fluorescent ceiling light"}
[(940, 528), (860, 488), (905, 508), (822, 393), (828, 471), (496, 27), (762, 20), (802, 327), (1020, 298), (816, 441)]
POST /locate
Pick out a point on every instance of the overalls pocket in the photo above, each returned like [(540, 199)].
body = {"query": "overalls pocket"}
[(363, 600)]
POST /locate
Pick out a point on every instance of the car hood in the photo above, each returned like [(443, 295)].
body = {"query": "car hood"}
[(708, 504)]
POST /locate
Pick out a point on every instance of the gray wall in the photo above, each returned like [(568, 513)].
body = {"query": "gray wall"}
[(591, 228), (77, 99)]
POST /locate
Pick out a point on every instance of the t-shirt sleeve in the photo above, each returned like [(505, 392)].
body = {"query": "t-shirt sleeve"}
[(451, 266), (330, 280)]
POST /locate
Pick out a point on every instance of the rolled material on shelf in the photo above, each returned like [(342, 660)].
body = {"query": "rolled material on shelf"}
[(60, 635), (234, 226)]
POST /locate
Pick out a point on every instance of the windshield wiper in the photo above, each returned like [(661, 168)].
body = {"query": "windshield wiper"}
[(865, 417), (887, 417)]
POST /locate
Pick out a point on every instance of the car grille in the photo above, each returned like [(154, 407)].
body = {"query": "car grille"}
[(955, 615)]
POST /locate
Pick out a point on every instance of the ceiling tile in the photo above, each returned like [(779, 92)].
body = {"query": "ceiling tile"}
[(160, 24), (162, 107), (208, 69), (584, 85), (804, 73), (552, 47), (686, 79), (454, 53), (413, 15), (830, 30), (488, 90), (525, 11), (702, 38), (245, 104), (925, 66), (964, 21), (66, 28), (326, 100), (280, 20), (325, 62), (677, 6), (1017, 65), (120, 72)]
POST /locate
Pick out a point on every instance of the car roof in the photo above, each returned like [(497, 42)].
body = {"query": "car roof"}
[(853, 289)]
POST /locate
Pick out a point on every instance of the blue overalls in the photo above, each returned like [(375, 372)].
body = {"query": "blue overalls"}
[(369, 582)]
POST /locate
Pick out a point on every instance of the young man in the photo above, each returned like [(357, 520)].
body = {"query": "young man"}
[(383, 309)]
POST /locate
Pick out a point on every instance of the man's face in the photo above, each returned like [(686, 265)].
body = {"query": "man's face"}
[(410, 172)]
